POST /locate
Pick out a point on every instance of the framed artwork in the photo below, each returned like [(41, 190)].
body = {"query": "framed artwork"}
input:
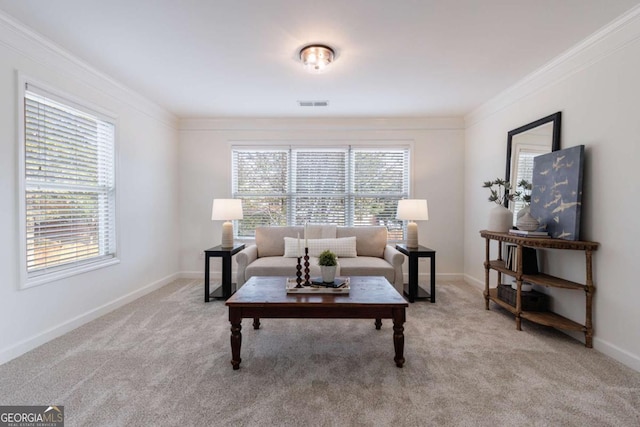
[(556, 196)]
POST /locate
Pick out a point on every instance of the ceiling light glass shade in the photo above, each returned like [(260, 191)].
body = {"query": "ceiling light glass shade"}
[(316, 58)]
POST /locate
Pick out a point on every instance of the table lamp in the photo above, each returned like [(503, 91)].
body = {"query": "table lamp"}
[(412, 210), (226, 210)]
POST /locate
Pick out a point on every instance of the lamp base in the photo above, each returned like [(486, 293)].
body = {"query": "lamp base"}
[(412, 235), (227, 235)]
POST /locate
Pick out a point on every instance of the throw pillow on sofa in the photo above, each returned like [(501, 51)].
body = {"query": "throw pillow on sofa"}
[(344, 247)]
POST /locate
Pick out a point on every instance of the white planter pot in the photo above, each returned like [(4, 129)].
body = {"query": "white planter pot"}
[(500, 219), (328, 273)]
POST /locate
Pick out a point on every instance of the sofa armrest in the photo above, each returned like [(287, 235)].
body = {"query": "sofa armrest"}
[(396, 259), (244, 258)]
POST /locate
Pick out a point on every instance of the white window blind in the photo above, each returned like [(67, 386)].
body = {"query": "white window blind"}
[(344, 186), (261, 179), (380, 179), (320, 186), (522, 168), (69, 185)]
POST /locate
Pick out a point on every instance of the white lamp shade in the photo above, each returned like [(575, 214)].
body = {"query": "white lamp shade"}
[(226, 209), (413, 210)]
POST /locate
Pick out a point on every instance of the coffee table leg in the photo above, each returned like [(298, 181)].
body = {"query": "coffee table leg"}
[(378, 324), (256, 323), (236, 337), (398, 336)]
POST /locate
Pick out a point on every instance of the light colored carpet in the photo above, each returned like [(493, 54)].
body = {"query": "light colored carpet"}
[(165, 360)]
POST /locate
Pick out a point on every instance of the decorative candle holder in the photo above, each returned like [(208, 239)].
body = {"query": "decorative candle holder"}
[(306, 267), (299, 274)]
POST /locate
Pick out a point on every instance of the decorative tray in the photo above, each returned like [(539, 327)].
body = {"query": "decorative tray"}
[(339, 286)]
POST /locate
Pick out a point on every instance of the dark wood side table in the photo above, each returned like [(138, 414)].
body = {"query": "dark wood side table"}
[(412, 290), (227, 288)]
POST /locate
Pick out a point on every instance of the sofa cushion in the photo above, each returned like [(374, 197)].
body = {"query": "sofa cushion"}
[(278, 266), (270, 240), (293, 247), (370, 240), (343, 248), (321, 231), (367, 266)]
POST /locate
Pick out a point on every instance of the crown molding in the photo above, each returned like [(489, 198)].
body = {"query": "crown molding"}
[(322, 124), (604, 42), (39, 49)]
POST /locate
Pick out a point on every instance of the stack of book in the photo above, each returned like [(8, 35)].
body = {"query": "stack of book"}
[(522, 233), (341, 285), (529, 259)]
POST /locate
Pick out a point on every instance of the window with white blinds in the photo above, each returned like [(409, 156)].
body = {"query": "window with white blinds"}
[(345, 186), (69, 187)]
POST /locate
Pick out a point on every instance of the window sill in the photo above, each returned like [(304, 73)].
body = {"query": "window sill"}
[(31, 282)]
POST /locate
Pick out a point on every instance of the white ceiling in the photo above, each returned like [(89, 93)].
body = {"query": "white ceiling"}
[(224, 58)]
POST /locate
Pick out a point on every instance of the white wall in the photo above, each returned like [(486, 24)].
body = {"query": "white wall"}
[(596, 87), (437, 166), (146, 187)]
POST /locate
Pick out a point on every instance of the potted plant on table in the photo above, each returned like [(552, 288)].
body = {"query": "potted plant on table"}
[(524, 219), (500, 218), (328, 263), (524, 195)]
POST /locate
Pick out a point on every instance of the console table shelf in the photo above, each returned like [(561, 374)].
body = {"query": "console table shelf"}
[(543, 318)]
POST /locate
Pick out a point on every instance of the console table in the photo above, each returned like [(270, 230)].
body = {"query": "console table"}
[(413, 291), (225, 290), (542, 317)]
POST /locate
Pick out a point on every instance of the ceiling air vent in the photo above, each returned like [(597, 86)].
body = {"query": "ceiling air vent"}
[(313, 103)]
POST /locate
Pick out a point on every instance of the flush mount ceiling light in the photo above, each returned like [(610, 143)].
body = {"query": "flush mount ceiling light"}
[(316, 57)]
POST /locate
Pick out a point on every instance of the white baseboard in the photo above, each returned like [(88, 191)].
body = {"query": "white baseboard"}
[(199, 274), (615, 352), (214, 275), (426, 277), (474, 282), (29, 344), (445, 276)]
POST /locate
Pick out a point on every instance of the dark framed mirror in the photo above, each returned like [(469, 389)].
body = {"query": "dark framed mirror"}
[(526, 142)]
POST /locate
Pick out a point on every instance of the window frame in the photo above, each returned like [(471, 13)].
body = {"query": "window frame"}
[(28, 280), (350, 147)]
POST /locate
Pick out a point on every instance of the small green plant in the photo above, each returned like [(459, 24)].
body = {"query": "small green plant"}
[(501, 193), (524, 191), (327, 259)]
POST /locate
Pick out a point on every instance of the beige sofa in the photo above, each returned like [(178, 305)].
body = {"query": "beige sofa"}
[(371, 256)]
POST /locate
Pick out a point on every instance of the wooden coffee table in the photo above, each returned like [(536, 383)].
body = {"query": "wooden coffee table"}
[(370, 297)]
